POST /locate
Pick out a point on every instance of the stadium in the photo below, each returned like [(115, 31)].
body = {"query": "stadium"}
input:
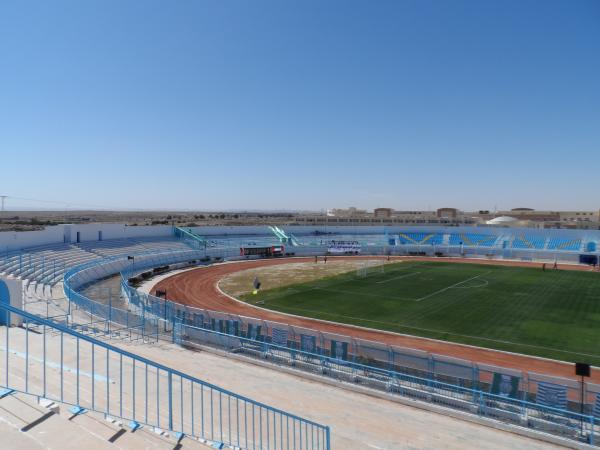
[(108, 324), (299, 225)]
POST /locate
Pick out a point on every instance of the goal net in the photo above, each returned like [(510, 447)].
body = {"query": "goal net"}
[(370, 268)]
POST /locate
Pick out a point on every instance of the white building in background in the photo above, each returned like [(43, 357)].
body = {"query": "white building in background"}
[(504, 221)]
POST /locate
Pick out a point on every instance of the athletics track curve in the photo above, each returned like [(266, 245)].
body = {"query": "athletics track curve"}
[(199, 288)]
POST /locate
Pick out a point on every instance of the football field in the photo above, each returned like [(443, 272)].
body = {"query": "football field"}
[(554, 314)]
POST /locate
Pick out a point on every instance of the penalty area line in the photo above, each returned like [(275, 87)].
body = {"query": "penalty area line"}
[(450, 287), (398, 326), (399, 277)]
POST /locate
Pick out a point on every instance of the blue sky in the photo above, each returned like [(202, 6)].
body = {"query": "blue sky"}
[(301, 104)]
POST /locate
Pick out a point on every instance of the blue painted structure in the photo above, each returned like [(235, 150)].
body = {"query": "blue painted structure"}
[(4, 300), (46, 264), (473, 239), (419, 238), (448, 381), (376, 365), (467, 395), (121, 384)]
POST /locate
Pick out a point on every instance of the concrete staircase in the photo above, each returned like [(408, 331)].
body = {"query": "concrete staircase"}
[(27, 423)]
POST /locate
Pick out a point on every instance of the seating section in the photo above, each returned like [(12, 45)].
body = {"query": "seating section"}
[(421, 238), (564, 244), (529, 242), (163, 244), (119, 247), (45, 264), (242, 241), (473, 239)]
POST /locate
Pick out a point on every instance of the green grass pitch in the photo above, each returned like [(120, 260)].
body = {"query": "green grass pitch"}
[(553, 314)]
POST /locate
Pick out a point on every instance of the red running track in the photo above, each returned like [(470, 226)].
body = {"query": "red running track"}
[(199, 288)]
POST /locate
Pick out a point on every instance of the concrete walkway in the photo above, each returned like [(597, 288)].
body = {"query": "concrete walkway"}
[(357, 421)]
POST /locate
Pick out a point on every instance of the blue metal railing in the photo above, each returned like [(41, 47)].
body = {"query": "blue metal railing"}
[(519, 411), (152, 316), (433, 380), (121, 384)]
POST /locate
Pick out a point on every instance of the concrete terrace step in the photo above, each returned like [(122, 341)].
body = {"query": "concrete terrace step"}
[(19, 410), (121, 435), (64, 430)]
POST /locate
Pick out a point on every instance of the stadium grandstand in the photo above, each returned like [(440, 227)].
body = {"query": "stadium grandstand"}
[(92, 357), (472, 239), (293, 225)]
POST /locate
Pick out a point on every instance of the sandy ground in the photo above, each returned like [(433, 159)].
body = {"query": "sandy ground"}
[(199, 288), (240, 283)]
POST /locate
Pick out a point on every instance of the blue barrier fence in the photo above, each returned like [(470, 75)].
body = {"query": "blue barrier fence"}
[(52, 361), (507, 407), (373, 354), (104, 317), (497, 392)]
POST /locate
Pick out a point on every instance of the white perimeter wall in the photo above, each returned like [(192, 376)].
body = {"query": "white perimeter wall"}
[(13, 240), (89, 232), (233, 230)]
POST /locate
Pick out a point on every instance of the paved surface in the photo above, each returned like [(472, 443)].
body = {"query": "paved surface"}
[(199, 288), (61, 431), (357, 421)]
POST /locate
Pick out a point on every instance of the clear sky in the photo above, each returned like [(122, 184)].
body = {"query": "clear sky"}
[(301, 104)]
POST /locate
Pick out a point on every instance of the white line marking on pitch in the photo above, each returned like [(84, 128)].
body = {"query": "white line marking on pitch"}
[(450, 287), (403, 325), (484, 284), (400, 277), (368, 294)]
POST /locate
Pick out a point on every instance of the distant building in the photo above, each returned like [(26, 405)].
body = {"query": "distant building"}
[(349, 212), (447, 212), (446, 216), (552, 219), (580, 219), (382, 213)]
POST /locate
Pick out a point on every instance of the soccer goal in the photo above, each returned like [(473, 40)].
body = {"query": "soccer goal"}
[(370, 268)]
